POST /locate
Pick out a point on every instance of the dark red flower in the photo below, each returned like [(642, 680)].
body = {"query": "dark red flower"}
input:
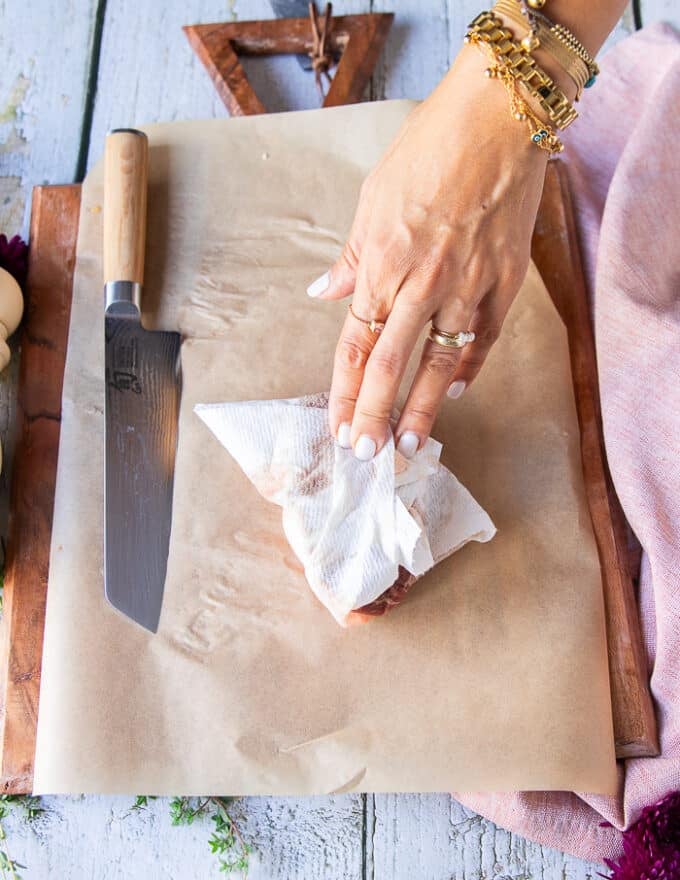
[(14, 257), (651, 846)]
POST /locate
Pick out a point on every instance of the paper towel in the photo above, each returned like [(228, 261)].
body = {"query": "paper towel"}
[(354, 525)]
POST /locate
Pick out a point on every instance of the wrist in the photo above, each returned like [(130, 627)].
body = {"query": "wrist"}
[(534, 96), (468, 91), (547, 62)]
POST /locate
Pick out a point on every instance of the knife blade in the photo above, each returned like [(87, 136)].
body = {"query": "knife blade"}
[(143, 388)]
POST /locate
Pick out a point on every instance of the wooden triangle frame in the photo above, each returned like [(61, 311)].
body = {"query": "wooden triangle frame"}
[(357, 40)]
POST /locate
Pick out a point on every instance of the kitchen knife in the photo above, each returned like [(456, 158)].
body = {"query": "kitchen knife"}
[(142, 397)]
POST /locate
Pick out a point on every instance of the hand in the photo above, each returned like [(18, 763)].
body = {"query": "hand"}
[(442, 232)]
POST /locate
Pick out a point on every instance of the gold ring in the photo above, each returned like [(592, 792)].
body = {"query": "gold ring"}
[(373, 325), (451, 340)]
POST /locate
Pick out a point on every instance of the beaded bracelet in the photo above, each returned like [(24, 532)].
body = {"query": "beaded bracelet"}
[(540, 35), (555, 39), (541, 134), (531, 8)]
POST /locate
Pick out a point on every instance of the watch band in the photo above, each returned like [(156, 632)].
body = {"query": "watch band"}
[(489, 28)]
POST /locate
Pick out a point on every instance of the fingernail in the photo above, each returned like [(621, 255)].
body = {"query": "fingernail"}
[(456, 389), (408, 444), (316, 288), (365, 448), (343, 435)]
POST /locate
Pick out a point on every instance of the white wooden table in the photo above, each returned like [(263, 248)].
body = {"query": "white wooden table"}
[(72, 69)]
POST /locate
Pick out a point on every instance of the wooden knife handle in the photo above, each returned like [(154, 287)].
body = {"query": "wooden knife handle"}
[(126, 163)]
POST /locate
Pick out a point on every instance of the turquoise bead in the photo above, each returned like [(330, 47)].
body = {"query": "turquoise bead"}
[(591, 82)]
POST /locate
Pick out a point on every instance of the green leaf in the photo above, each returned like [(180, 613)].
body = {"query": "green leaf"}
[(225, 841)]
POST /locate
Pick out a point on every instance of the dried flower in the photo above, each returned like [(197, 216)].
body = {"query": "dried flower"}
[(651, 846), (14, 258)]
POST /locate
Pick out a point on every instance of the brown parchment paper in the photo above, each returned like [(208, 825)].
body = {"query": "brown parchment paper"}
[(493, 674)]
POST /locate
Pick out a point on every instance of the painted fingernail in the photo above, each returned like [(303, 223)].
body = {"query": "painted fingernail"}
[(365, 448), (456, 389), (316, 288), (408, 444), (343, 435)]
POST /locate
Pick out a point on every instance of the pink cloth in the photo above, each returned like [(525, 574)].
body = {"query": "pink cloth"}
[(624, 167)]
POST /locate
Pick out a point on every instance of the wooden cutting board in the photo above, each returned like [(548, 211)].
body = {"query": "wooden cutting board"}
[(54, 229)]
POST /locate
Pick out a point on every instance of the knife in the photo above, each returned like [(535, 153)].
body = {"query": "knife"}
[(142, 397)]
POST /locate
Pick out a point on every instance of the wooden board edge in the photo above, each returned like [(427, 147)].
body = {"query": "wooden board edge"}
[(53, 237), (556, 253)]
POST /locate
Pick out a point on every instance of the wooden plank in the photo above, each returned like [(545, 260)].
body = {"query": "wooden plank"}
[(660, 10), (45, 51), (54, 229), (144, 78), (101, 838), (556, 253), (147, 71), (432, 837), (319, 837), (419, 49)]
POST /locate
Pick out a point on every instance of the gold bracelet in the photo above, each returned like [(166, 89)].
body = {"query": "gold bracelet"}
[(556, 39), (489, 29), (541, 134), (540, 35), (564, 35)]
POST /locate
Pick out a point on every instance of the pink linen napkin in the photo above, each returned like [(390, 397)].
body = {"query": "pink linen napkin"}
[(623, 159)]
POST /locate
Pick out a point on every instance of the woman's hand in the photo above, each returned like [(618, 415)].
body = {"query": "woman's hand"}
[(442, 232)]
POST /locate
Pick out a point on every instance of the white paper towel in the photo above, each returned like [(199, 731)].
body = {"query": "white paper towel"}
[(352, 524)]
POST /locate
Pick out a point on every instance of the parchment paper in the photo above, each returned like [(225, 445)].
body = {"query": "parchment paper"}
[(492, 675)]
